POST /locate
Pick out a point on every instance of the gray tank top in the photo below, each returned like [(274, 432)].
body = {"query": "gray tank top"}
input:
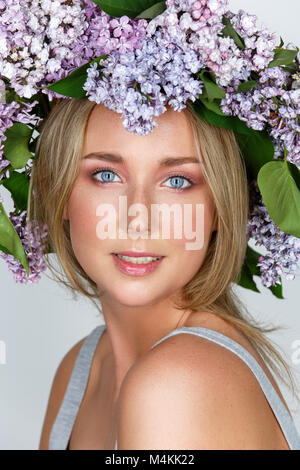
[(64, 422)]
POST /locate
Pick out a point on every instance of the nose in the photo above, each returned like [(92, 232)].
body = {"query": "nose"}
[(139, 201)]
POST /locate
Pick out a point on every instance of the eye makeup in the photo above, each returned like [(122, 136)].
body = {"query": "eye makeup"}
[(171, 175)]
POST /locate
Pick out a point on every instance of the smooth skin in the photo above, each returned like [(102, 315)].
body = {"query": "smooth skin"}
[(187, 392)]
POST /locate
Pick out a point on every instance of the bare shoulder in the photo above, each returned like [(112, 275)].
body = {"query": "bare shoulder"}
[(191, 393), (57, 392)]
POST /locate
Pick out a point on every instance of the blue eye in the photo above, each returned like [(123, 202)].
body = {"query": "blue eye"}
[(106, 175), (177, 180)]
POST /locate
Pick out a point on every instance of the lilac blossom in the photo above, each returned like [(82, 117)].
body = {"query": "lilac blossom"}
[(259, 42), (10, 113), (150, 65), (197, 25), (38, 236), (270, 106), (283, 250), (42, 41), (37, 36), (140, 84)]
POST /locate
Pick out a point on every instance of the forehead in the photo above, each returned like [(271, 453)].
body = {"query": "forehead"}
[(105, 132)]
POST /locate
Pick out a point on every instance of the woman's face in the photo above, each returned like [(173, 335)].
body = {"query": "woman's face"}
[(139, 177)]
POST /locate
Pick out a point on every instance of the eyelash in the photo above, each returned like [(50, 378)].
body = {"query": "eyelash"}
[(99, 170)]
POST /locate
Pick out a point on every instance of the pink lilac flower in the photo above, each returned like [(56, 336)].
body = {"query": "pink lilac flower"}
[(197, 25)]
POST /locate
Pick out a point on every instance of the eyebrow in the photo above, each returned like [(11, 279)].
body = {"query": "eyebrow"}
[(165, 162)]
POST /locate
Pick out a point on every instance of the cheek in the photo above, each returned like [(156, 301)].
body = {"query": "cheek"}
[(194, 224), (191, 249), (82, 207)]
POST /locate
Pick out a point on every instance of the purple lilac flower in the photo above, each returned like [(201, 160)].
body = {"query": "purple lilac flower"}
[(197, 25), (38, 237), (270, 106), (42, 41), (152, 65), (283, 251), (259, 42), (37, 36), (106, 34), (10, 113), (141, 83)]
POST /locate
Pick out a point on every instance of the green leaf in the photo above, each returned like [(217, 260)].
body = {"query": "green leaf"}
[(251, 269), (256, 146), (229, 31), (16, 145), (2, 248), (281, 42), (130, 8), (279, 183), (257, 149), (229, 122), (72, 84), (277, 291), (283, 57), (213, 91), (212, 106), (10, 241), (251, 261), (18, 185), (247, 86), (153, 11), (290, 69), (246, 279)]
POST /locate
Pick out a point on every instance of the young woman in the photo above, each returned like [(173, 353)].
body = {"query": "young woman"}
[(178, 363)]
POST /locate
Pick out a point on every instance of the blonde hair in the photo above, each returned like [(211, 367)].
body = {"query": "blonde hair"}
[(55, 169)]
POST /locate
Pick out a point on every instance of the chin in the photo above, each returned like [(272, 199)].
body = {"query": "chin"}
[(135, 296)]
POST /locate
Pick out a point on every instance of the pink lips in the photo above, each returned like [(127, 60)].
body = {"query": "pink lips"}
[(136, 269)]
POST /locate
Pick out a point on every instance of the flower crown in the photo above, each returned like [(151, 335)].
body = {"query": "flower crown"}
[(136, 57)]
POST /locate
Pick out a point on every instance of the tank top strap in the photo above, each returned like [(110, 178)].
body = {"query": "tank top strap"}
[(65, 419), (281, 413)]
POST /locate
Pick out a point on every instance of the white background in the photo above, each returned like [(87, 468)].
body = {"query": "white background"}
[(40, 323)]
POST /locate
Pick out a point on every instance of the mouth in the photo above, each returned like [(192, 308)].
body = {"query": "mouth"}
[(137, 265), (138, 257)]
